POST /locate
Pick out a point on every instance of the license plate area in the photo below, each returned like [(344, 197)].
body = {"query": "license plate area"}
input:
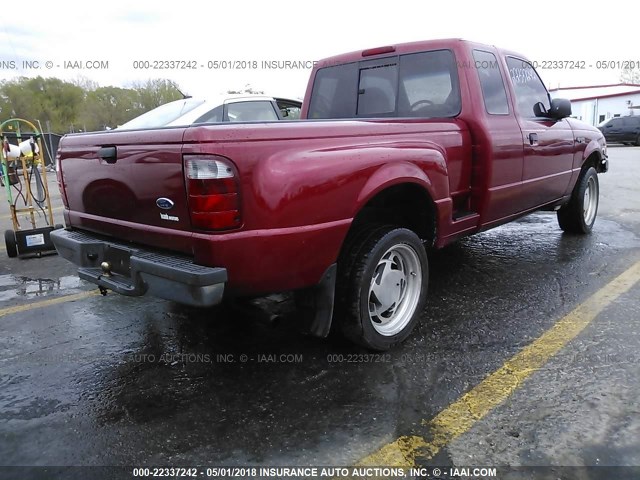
[(119, 259)]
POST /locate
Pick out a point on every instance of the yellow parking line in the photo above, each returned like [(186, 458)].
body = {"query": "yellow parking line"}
[(462, 414), (46, 303)]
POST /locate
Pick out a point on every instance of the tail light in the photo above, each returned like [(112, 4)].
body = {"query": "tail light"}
[(63, 192), (214, 193)]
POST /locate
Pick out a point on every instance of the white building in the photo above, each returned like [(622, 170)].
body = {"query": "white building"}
[(597, 103)]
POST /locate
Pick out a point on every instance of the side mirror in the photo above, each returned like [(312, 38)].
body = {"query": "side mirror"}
[(539, 110), (560, 108)]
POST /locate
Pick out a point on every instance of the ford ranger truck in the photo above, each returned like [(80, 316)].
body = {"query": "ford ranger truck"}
[(400, 149)]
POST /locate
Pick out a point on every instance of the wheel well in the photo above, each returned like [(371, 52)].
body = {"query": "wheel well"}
[(407, 205), (592, 160)]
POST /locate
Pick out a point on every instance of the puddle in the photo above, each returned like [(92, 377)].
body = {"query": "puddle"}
[(18, 287)]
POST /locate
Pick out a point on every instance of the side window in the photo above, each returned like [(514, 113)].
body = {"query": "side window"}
[(428, 85), (527, 85), (251, 112), (493, 91), (213, 116), (377, 89)]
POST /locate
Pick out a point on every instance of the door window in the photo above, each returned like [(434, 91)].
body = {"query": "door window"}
[(527, 86)]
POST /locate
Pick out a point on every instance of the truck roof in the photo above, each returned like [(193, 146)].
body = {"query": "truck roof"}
[(409, 47)]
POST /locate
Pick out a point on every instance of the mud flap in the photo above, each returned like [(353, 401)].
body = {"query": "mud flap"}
[(315, 304)]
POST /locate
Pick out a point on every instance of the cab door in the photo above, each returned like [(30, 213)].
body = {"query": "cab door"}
[(613, 130), (628, 132), (548, 143)]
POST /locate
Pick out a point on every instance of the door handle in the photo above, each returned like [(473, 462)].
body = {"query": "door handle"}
[(533, 139), (108, 154)]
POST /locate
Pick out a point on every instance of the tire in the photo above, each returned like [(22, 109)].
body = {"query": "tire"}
[(382, 285), (579, 215), (10, 243)]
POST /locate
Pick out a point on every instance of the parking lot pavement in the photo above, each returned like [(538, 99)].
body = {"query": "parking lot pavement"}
[(87, 380)]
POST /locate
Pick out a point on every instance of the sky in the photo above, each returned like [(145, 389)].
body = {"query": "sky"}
[(117, 38)]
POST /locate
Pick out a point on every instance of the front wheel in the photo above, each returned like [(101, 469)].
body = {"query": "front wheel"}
[(382, 284), (579, 215)]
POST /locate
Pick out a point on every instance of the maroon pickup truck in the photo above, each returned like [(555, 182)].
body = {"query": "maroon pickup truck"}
[(400, 149)]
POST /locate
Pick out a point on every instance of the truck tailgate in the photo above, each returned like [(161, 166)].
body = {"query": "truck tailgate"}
[(129, 185)]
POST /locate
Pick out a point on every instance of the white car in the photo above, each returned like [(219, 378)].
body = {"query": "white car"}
[(227, 108)]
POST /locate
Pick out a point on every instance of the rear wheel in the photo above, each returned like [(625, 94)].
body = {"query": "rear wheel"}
[(10, 243), (382, 284), (579, 215)]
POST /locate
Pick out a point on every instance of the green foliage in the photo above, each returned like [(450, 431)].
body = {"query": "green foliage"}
[(108, 107), (41, 99), (154, 93), (81, 105)]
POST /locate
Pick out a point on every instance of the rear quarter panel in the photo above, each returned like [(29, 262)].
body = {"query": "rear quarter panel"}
[(303, 183)]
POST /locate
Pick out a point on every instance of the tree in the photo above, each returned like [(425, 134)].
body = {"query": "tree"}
[(630, 75), (44, 99), (108, 107), (85, 83), (81, 104), (248, 89), (156, 92)]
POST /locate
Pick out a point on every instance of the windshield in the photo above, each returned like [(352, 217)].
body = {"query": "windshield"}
[(163, 115)]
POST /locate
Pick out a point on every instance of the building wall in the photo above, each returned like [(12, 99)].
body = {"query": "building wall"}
[(595, 111)]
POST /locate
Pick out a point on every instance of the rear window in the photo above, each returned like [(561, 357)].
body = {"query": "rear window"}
[(162, 115), (334, 93), (414, 85), (428, 85), (377, 89)]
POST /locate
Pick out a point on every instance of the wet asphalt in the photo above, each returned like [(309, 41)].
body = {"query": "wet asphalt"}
[(120, 381)]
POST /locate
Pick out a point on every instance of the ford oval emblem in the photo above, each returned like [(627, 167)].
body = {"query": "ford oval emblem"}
[(164, 203)]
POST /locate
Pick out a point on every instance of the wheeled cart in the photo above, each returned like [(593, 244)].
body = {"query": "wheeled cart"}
[(24, 176)]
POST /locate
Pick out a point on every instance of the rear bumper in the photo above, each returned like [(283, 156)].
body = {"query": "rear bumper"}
[(137, 271)]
